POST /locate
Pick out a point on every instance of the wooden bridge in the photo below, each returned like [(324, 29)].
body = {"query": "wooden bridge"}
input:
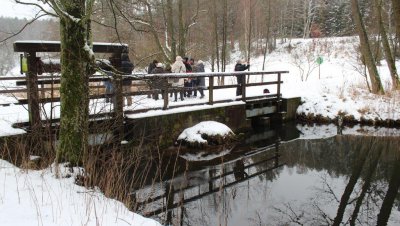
[(40, 85)]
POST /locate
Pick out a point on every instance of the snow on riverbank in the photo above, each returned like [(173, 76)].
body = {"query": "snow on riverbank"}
[(30, 197)]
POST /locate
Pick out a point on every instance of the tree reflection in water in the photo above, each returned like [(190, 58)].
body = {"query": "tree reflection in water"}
[(372, 166), (344, 180)]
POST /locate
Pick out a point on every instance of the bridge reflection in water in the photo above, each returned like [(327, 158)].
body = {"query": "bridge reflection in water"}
[(209, 176), (333, 181)]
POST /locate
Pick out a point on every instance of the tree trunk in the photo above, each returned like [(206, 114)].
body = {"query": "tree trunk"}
[(249, 36), (182, 49), (170, 29), (74, 92), (396, 12), (376, 84), (386, 47), (267, 38), (215, 29), (224, 34)]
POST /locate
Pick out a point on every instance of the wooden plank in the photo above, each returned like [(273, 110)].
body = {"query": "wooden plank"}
[(10, 91), (8, 78), (54, 46)]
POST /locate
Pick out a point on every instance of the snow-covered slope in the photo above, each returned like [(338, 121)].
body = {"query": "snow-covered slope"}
[(338, 86)]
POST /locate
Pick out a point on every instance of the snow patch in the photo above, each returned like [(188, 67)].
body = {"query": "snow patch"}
[(30, 197), (209, 128)]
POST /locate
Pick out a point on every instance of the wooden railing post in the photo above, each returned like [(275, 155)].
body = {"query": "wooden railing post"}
[(243, 78), (278, 92), (211, 90), (33, 92), (118, 108), (164, 91)]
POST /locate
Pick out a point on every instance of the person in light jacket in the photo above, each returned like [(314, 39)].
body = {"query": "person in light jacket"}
[(177, 67)]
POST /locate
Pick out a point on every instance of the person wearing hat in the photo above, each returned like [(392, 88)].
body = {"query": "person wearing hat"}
[(151, 67), (157, 83), (241, 65), (177, 67), (200, 82)]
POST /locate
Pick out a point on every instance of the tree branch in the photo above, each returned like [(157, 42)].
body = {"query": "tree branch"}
[(36, 5), (23, 28)]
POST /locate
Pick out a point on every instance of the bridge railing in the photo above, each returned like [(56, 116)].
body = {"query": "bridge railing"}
[(51, 94), (94, 81), (241, 75), (50, 85)]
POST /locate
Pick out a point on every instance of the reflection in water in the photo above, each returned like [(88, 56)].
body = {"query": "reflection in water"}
[(238, 170), (346, 180)]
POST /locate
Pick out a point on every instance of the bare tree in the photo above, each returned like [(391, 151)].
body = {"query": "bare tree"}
[(376, 83), (386, 46), (396, 12)]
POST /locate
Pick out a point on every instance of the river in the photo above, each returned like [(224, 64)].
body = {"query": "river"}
[(279, 176)]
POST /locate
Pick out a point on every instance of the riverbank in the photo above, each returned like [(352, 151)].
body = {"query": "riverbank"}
[(51, 197)]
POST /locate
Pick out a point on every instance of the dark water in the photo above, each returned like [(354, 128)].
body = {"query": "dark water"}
[(275, 178)]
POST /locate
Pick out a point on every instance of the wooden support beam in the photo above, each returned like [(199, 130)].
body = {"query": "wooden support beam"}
[(54, 46), (118, 109), (278, 92), (243, 78), (33, 93), (211, 90)]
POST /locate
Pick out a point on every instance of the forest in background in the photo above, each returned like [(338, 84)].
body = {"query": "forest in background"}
[(208, 29)]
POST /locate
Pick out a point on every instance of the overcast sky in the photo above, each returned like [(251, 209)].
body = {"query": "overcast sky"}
[(8, 8)]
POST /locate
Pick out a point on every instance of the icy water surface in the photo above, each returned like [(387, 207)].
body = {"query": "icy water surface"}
[(275, 178)]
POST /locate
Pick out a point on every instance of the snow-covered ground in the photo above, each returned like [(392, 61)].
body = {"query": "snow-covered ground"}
[(29, 197), (339, 87)]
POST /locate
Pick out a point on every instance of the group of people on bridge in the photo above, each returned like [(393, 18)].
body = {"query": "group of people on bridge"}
[(186, 88)]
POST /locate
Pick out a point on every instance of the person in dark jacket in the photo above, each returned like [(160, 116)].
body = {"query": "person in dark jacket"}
[(150, 68), (200, 82), (158, 69), (188, 66), (123, 64), (187, 81), (241, 65), (152, 65), (157, 83)]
